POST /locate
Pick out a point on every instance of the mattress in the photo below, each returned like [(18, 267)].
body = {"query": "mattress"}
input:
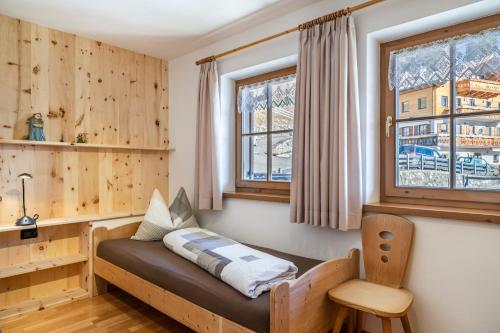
[(153, 262)]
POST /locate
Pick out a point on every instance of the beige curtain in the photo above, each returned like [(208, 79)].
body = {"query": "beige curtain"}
[(208, 191), (326, 187)]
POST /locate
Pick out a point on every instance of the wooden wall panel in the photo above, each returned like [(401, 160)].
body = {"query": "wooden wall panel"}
[(82, 96), (61, 85), (40, 80), (9, 65), (24, 110), (79, 86), (164, 104), (137, 118)]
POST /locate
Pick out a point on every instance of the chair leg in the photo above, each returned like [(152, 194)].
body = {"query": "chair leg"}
[(386, 325), (360, 316), (406, 324), (339, 320), (350, 323)]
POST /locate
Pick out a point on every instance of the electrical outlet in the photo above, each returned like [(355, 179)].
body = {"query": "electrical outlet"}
[(29, 233)]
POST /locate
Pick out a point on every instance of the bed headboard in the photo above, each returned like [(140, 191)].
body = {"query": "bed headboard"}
[(103, 233)]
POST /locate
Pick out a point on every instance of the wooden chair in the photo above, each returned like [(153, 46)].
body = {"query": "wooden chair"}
[(387, 241)]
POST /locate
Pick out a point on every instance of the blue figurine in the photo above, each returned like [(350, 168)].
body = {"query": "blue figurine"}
[(36, 128)]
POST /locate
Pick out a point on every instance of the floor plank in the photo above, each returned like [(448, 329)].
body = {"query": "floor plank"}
[(112, 312)]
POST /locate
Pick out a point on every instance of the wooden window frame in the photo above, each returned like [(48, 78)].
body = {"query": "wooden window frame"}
[(389, 192), (256, 186)]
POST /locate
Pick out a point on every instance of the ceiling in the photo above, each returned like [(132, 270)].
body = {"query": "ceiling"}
[(161, 28)]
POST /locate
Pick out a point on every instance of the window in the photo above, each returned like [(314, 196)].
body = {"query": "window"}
[(264, 132), (422, 103), (450, 159), (405, 106), (444, 101)]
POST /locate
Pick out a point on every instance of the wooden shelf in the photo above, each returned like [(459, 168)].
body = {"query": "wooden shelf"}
[(14, 270), (453, 213), (80, 145), (42, 303), (68, 220)]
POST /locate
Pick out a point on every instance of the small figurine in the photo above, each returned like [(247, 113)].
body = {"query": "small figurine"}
[(81, 138), (36, 128)]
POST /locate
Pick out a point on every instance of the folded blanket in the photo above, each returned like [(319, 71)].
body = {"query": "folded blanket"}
[(249, 271)]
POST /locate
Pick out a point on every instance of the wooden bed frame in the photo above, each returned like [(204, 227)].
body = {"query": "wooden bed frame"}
[(298, 306)]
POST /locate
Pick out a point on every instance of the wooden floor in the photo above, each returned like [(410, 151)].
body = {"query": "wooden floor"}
[(112, 312)]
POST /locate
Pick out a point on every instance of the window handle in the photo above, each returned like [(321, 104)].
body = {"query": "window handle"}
[(388, 124)]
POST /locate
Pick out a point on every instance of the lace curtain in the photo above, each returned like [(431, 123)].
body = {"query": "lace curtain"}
[(278, 92), (475, 56)]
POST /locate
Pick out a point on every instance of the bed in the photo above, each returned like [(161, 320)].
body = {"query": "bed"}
[(188, 294)]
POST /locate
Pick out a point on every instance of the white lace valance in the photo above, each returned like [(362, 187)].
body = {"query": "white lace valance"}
[(475, 56), (278, 92)]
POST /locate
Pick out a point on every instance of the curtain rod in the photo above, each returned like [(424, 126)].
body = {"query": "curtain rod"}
[(325, 18)]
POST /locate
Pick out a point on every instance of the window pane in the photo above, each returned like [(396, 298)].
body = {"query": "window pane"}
[(477, 152), (282, 157), (283, 104), (477, 59), (423, 153), (254, 157), (422, 75), (254, 109), (254, 122)]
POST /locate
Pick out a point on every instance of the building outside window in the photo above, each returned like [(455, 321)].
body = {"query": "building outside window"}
[(459, 101)]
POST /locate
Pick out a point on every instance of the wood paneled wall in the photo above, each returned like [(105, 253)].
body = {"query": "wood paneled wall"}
[(79, 181), (79, 85)]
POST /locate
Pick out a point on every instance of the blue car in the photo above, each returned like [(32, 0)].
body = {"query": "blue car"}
[(414, 150)]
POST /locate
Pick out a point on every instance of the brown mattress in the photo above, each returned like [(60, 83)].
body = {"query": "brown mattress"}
[(153, 262)]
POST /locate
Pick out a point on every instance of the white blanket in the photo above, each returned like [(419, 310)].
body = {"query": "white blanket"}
[(249, 271)]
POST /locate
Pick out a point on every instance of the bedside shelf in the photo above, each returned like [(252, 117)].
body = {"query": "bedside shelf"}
[(42, 303), (14, 270), (68, 220), (80, 145)]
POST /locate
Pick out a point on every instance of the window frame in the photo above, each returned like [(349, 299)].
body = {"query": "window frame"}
[(389, 192), (422, 103), (445, 99), (403, 104), (258, 186)]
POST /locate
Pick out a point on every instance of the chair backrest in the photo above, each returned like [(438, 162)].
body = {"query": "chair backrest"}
[(387, 240)]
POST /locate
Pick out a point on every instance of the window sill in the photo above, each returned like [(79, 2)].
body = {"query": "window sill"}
[(257, 196), (454, 213)]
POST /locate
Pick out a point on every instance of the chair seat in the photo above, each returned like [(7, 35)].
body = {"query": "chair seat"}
[(373, 298)]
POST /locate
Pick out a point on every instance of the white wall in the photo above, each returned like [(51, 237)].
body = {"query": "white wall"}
[(454, 271)]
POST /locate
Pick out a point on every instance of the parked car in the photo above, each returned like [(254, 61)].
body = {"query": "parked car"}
[(476, 164), (414, 150), (472, 160)]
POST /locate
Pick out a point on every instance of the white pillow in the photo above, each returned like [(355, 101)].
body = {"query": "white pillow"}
[(157, 221)]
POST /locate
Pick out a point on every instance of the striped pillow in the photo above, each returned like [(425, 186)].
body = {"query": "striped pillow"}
[(157, 221)]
